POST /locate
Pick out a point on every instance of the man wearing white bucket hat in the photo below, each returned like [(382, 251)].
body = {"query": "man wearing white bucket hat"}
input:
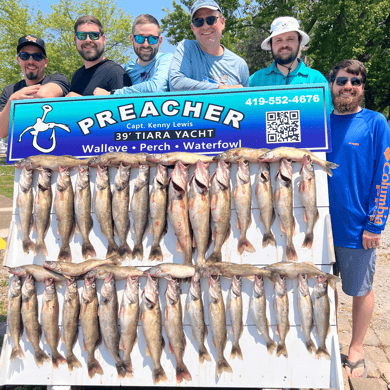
[(284, 42)]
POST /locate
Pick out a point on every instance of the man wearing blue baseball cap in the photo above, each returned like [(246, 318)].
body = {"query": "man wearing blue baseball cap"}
[(205, 64)]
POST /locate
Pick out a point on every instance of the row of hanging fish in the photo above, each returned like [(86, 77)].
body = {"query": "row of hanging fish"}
[(99, 319)]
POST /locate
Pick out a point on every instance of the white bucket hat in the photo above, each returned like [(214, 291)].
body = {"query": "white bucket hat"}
[(282, 25)]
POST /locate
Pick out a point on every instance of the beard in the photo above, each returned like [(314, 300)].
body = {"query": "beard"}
[(32, 76), (91, 55), (149, 56), (283, 61), (347, 104)]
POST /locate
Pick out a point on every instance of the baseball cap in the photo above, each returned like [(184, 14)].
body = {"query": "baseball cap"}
[(282, 25), (31, 40), (211, 4)]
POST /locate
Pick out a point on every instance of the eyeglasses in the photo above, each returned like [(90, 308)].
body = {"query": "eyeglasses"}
[(355, 81), (36, 56), (210, 20), (140, 39), (93, 35)]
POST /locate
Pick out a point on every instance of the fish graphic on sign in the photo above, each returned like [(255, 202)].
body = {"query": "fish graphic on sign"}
[(40, 126)]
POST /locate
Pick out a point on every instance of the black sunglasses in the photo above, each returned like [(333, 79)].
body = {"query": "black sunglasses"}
[(82, 36), (342, 80), (36, 56), (140, 39), (210, 20)]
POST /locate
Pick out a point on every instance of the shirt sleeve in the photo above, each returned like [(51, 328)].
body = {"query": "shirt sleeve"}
[(4, 97), (244, 74), (378, 207), (118, 78), (157, 83), (60, 80)]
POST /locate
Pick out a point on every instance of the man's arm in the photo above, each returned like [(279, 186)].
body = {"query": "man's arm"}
[(117, 78)]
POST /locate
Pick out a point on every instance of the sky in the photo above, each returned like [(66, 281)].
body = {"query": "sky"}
[(134, 7)]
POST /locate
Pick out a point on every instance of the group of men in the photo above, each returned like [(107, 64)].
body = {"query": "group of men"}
[(360, 137)]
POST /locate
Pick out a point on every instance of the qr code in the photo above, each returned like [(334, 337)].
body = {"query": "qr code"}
[(283, 126)]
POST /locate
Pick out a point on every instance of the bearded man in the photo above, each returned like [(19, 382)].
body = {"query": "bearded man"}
[(358, 196), (97, 71)]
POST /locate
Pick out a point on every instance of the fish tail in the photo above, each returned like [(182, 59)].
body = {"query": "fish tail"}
[(156, 253), (310, 346), (112, 251), (73, 362), (322, 352), (269, 239), (41, 357), (28, 246), (138, 252), (245, 245), (57, 359), (281, 350), (223, 366), (182, 373), (308, 241), (121, 369), (17, 352), (88, 250), (215, 257), (94, 367), (291, 254), (129, 368), (65, 254), (124, 251), (204, 355), (236, 351), (271, 347), (159, 375), (328, 166), (40, 247)]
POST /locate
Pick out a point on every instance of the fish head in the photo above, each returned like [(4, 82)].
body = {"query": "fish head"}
[(16, 286), (303, 285), (94, 161), (307, 167), (202, 175), (236, 285), (215, 287), (63, 180), (268, 156), (258, 286), (19, 271), (50, 287), (284, 175), (172, 292), (264, 174), (150, 293), (71, 285), (161, 175), (102, 174), (44, 178), (53, 265), (243, 172), (25, 179), (23, 162), (28, 288), (195, 290), (222, 173), (143, 172), (280, 285), (82, 176), (179, 177), (322, 285), (89, 290), (122, 177), (108, 288), (132, 288)]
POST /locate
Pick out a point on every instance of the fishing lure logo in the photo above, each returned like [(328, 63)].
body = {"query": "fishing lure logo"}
[(40, 126)]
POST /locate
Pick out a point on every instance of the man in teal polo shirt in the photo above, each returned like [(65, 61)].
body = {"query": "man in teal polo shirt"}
[(284, 42)]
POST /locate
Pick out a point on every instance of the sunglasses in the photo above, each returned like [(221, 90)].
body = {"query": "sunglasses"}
[(36, 56), (210, 20), (355, 81), (140, 39), (94, 36)]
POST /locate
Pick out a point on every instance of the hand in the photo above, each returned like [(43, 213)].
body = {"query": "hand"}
[(100, 91), (29, 92), (370, 240), (222, 86), (72, 94)]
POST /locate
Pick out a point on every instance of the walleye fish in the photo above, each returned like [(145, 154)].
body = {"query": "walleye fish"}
[(178, 210), (173, 324), (64, 208), (229, 270), (128, 319), (42, 207), (119, 272), (235, 310), (151, 327), (71, 315), (82, 207), (305, 308), (196, 314), (220, 196), (103, 209), (321, 309), (173, 157), (218, 323), (14, 316), (247, 154), (265, 202), (140, 209), (24, 203), (281, 314), (120, 209), (50, 313), (199, 210), (30, 320), (308, 195), (284, 205), (242, 197), (89, 319), (114, 159), (258, 311), (76, 269), (51, 162), (294, 154), (166, 270), (108, 320), (37, 271), (158, 202)]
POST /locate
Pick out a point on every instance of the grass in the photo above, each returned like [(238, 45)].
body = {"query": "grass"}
[(6, 179)]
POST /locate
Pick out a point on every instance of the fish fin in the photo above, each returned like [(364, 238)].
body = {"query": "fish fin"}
[(41, 357), (317, 217), (281, 350), (77, 229), (84, 346), (170, 349), (308, 240), (223, 366), (204, 355), (215, 257), (17, 352), (229, 230), (328, 166), (213, 235), (236, 351), (129, 368), (178, 247), (293, 227), (159, 375), (65, 254), (57, 360), (322, 353), (73, 363), (28, 246), (282, 228), (121, 369), (125, 251), (147, 352), (94, 367), (213, 342), (87, 250), (40, 248), (291, 254), (182, 373), (273, 216), (156, 253), (245, 245), (269, 239), (310, 346), (271, 346), (138, 252), (112, 250), (277, 330)]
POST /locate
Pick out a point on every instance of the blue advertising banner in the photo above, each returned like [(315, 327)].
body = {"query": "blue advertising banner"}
[(207, 122)]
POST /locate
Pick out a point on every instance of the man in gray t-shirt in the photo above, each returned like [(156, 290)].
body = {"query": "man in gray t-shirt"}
[(205, 63)]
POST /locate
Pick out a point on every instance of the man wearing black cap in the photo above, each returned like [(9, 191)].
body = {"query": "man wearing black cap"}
[(36, 85)]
